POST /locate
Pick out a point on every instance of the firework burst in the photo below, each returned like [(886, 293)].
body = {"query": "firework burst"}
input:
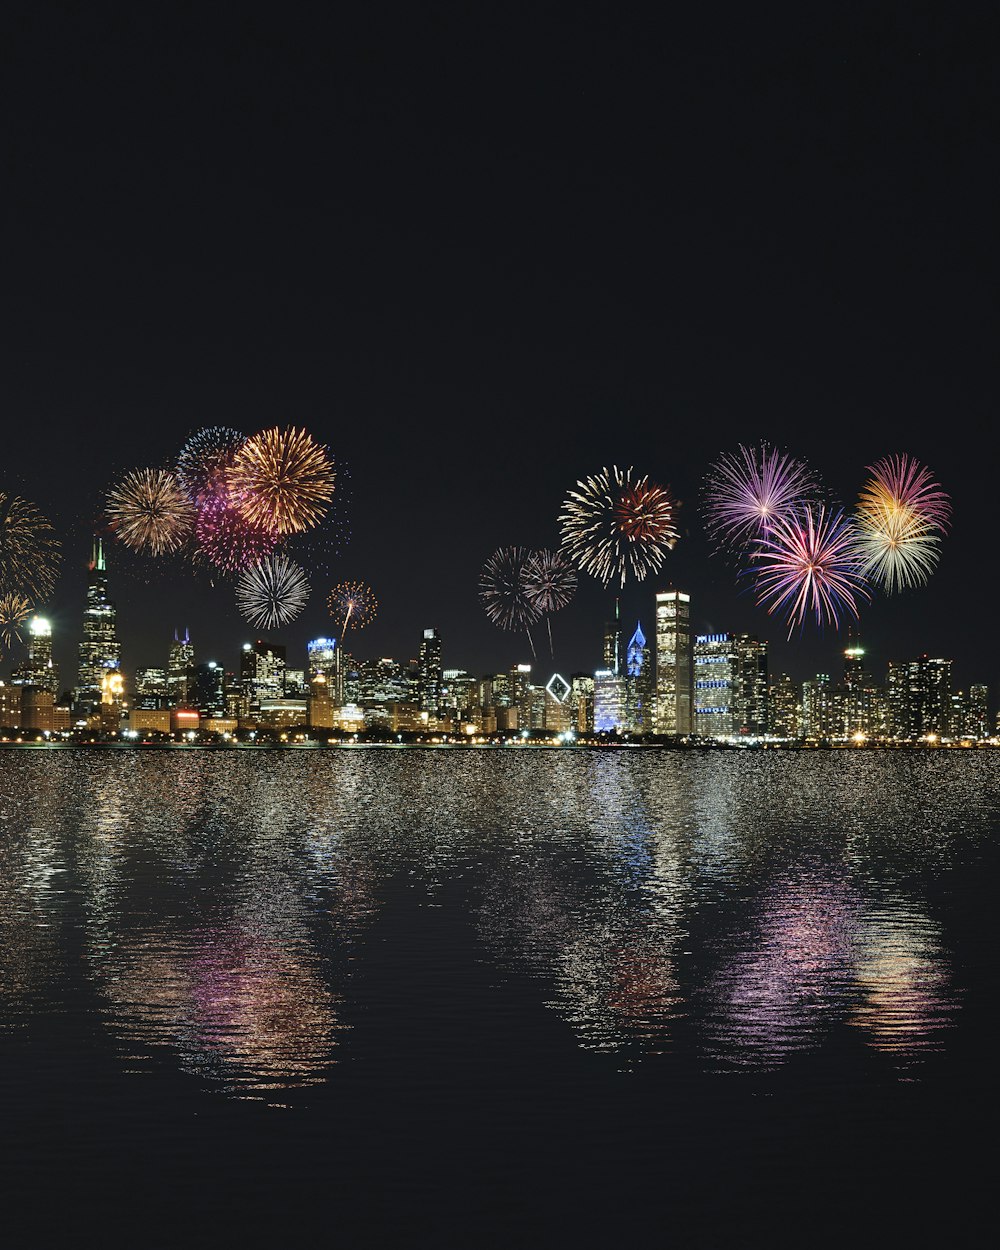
[(225, 539), (354, 604), (809, 563), (205, 458), (283, 478), (548, 580), (150, 512), (502, 591), (901, 514), (272, 592), (29, 550), (14, 611), (615, 524), (900, 484), (746, 491)]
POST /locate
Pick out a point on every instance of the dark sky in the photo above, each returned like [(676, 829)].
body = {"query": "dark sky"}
[(481, 254)]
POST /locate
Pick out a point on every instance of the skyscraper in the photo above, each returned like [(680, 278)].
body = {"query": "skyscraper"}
[(919, 694), (429, 673), (750, 708), (262, 671), (716, 680), (613, 642), (99, 648), (640, 684), (674, 681), (38, 669), (180, 664)]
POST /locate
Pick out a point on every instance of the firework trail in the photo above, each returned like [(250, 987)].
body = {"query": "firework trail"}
[(283, 479), (901, 514), (272, 592), (224, 538), (14, 611), (549, 583), (355, 602), (615, 524), (745, 491), (502, 591), (809, 563), (150, 512), (205, 458), (29, 550)]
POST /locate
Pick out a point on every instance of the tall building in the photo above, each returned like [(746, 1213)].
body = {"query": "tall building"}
[(716, 679), (429, 673), (151, 689), (262, 671), (674, 669), (609, 702), (613, 643), (751, 710), (977, 716), (38, 669), (816, 719), (784, 707), (640, 684), (919, 697), (99, 648), (322, 659), (208, 691), (180, 664)]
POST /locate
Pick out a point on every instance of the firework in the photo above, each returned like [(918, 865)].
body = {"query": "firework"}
[(616, 524), (903, 487), (809, 563), (149, 511), (502, 592), (272, 592), (225, 538), (29, 550), (549, 580), (283, 478), (205, 458), (14, 611), (354, 603), (745, 491)]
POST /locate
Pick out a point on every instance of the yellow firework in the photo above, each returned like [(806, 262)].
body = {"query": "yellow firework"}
[(29, 550), (150, 511), (354, 604), (14, 611), (283, 479)]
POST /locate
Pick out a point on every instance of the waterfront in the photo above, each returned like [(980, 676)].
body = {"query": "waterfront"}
[(497, 995)]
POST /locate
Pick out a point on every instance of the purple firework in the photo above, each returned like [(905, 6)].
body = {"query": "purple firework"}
[(809, 563), (204, 459), (747, 491), (224, 538)]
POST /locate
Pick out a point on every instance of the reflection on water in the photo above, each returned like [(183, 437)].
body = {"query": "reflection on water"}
[(738, 909)]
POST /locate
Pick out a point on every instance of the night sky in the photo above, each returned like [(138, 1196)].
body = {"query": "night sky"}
[(481, 255)]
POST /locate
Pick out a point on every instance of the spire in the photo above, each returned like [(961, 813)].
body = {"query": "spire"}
[(100, 556)]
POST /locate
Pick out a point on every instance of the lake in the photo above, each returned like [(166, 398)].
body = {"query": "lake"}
[(497, 997)]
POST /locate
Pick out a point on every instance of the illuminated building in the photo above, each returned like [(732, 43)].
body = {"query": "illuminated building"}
[(37, 669), (715, 682), (321, 656), (99, 648), (750, 706), (262, 672), (458, 690), (151, 688), (320, 711), (784, 708), (919, 697), (640, 684), (10, 706), (816, 715), (609, 702), (180, 662), (144, 720), (207, 692), (112, 699), (38, 709), (429, 673), (977, 716), (674, 670), (582, 698), (613, 643)]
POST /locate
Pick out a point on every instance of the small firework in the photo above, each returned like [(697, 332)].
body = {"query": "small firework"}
[(205, 458), (744, 492), (284, 480), (272, 592), (352, 603), (150, 512), (549, 580), (29, 550), (14, 611), (501, 590), (809, 563), (901, 485), (225, 539), (615, 524)]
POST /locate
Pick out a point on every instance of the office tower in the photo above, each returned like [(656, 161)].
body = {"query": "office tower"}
[(609, 702), (38, 669), (613, 642), (977, 723), (321, 705), (458, 690), (151, 689), (180, 662), (750, 707), (262, 671), (208, 690), (640, 684), (674, 669), (919, 698), (817, 710), (784, 708), (99, 648), (429, 673), (321, 656), (715, 683), (112, 700), (582, 697)]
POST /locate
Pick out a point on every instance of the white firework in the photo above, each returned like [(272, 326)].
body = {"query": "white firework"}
[(272, 592)]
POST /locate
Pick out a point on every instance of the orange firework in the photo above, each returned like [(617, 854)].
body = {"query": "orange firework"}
[(283, 479), (355, 603)]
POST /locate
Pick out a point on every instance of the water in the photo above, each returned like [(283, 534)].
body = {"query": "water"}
[(497, 997)]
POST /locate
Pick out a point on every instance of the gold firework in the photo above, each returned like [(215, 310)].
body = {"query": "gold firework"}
[(150, 511), (283, 479), (29, 550), (14, 611)]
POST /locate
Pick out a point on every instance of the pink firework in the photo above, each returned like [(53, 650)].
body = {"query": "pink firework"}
[(746, 491), (225, 538), (809, 563), (902, 487)]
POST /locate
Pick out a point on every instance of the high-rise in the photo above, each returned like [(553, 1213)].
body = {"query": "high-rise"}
[(180, 664), (99, 648), (38, 669), (674, 680), (429, 672)]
